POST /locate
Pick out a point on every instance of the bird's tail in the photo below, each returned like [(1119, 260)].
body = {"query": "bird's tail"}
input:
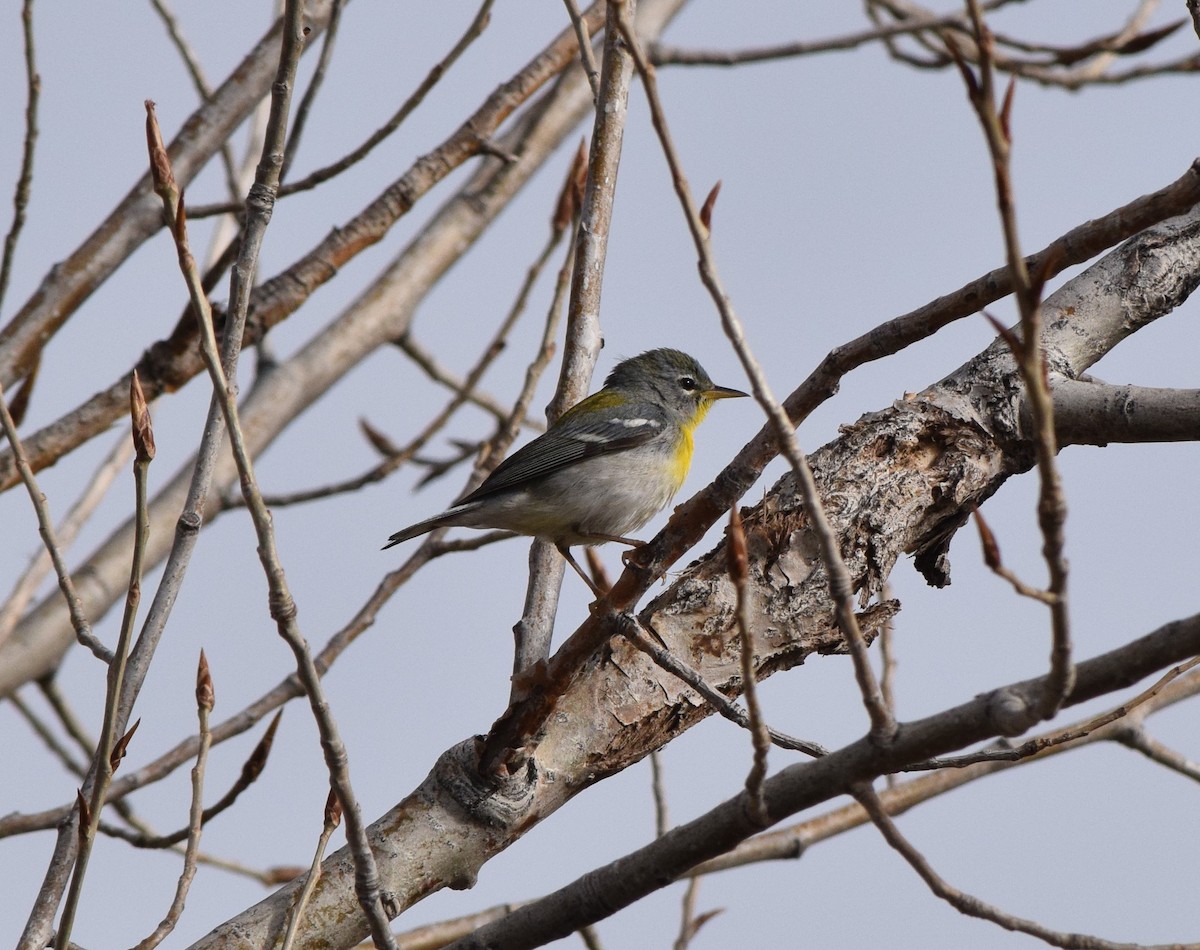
[(445, 519)]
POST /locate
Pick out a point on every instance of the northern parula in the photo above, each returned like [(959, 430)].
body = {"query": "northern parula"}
[(604, 468)]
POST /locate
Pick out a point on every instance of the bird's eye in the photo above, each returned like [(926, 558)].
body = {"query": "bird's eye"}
[(687, 383)]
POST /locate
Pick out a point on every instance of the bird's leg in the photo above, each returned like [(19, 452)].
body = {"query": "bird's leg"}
[(570, 559)]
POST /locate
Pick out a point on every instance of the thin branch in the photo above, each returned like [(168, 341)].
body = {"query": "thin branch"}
[(581, 347), (77, 515), (1051, 508), (79, 621), (311, 180), (43, 732), (1141, 741), (332, 819), (33, 89), (759, 736), (204, 705), (991, 557), (586, 57), (191, 64), (1036, 746), (882, 724), (252, 768), (259, 204), (428, 363), (632, 630), (658, 792), (110, 748), (972, 906), (660, 54), (304, 107)]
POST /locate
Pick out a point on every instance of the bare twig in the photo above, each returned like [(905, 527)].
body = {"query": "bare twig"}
[(632, 629), (1141, 741), (1051, 509), (428, 363), (882, 723), (33, 89), (110, 748), (581, 348), (97, 487), (283, 608), (586, 57), (966, 903), (252, 768), (191, 63), (42, 730), (687, 915), (532, 631), (759, 737), (660, 54), (1070, 734), (311, 180), (332, 819), (991, 557), (79, 621), (658, 792), (205, 700), (300, 120)]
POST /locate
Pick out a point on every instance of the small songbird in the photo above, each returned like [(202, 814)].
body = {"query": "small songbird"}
[(606, 467)]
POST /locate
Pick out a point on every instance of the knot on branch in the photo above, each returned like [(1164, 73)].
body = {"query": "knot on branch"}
[(496, 800), (282, 606), (1011, 713)]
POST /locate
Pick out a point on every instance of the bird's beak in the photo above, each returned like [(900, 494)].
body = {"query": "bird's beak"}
[(723, 392)]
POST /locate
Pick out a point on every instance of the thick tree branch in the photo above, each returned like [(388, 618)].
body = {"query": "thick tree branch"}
[(901, 480), (602, 892), (1089, 412), (139, 214)]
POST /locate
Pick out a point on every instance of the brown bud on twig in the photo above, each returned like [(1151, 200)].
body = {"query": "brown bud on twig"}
[(1006, 110), (19, 403), (968, 75), (143, 428), (1143, 41), (119, 747), (282, 874), (85, 813), (160, 164), (738, 562), (258, 758), (180, 232), (1014, 342), (570, 199), (333, 810), (706, 209), (380, 442), (991, 549), (1037, 280), (205, 697)]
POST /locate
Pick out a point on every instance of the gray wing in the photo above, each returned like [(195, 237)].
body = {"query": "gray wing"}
[(570, 443)]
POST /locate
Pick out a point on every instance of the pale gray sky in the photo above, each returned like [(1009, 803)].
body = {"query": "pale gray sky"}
[(855, 189)]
